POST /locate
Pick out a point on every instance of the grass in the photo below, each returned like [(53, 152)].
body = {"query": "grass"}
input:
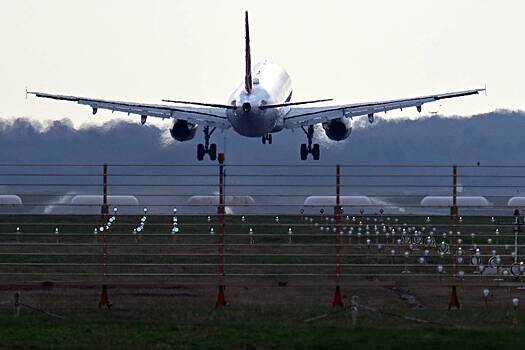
[(36, 333)]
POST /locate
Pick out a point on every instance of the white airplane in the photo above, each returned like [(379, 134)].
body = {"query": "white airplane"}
[(259, 107)]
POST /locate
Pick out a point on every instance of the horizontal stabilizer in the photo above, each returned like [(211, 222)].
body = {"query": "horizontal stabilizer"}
[(294, 103), (204, 104)]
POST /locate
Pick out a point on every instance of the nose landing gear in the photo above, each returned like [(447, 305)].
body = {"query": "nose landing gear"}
[(308, 149), (207, 148), (267, 138)]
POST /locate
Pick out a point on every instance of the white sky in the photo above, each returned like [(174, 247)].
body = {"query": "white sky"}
[(353, 51)]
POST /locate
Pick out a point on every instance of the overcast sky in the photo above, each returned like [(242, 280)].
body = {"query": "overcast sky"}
[(353, 51)]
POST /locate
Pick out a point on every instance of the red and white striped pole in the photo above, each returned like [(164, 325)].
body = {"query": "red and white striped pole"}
[(338, 298), (221, 301)]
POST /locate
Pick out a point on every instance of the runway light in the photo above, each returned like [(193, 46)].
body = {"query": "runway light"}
[(515, 302), (486, 292), (440, 268), (212, 231), (115, 210), (145, 210)]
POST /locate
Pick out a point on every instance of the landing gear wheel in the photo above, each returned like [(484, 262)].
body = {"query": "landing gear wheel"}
[(304, 151), (267, 138), (307, 148), (207, 148), (200, 151), (213, 152), (316, 152)]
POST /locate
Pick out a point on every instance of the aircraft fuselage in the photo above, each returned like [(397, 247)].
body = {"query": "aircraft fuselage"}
[(271, 85)]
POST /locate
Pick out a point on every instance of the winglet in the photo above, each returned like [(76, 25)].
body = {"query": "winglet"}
[(485, 89), (27, 92), (248, 75)]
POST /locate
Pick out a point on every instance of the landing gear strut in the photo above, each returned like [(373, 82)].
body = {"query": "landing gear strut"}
[(207, 148), (267, 138), (308, 149)]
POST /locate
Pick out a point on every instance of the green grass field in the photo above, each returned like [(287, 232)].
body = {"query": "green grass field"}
[(249, 328)]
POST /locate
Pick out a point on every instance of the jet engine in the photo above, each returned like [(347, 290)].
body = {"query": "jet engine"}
[(338, 129), (183, 131)]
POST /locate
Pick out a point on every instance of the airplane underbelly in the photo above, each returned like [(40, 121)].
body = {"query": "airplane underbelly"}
[(254, 124)]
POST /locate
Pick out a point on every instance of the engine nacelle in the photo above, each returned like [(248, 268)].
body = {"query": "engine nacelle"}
[(183, 131), (338, 129)]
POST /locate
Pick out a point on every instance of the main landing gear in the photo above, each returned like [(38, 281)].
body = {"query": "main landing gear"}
[(308, 149), (207, 148), (267, 138)]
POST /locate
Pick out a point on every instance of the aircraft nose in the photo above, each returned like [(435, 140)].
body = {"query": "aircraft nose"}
[(246, 107)]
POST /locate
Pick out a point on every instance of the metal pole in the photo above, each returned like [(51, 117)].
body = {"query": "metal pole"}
[(220, 250), (454, 215), (454, 302), (338, 300), (105, 208)]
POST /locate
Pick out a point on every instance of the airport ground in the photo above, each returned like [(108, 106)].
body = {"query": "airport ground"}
[(176, 310)]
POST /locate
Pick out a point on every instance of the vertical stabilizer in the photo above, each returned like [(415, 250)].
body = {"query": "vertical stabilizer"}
[(248, 76)]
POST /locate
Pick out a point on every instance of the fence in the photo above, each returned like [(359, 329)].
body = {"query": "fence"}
[(291, 226)]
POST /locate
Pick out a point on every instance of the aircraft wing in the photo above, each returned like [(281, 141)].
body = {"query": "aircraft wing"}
[(304, 116), (214, 117)]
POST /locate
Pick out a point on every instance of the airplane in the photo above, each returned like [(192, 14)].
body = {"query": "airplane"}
[(261, 106)]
